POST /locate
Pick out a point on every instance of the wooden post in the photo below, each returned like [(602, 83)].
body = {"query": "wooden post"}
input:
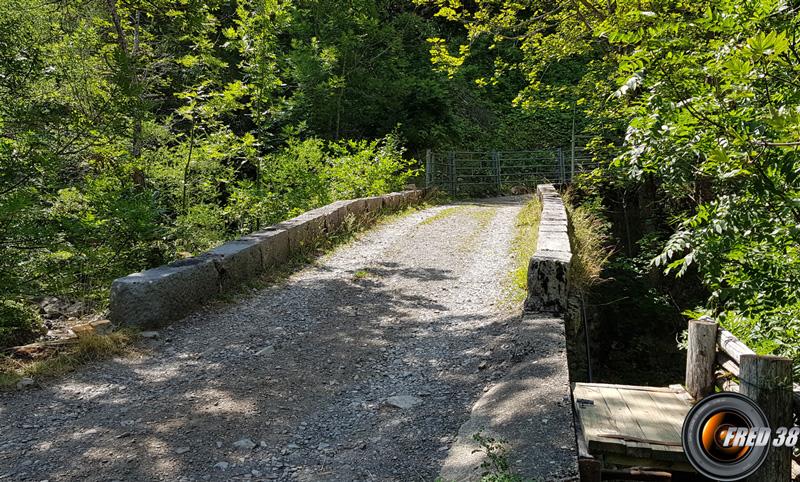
[(767, 380), (572, 147), (590, 470), (700, 358)]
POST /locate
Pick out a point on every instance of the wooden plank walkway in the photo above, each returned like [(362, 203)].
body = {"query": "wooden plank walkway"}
[(631, 425)]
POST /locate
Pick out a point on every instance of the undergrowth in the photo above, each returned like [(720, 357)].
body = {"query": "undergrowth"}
[(589, 243)]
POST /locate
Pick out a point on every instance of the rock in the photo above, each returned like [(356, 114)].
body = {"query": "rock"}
[(102, 327), (403, 401), (24, 382), (392, 201), (82, 329), (52, 307), (244, 444), (221, 465), (292, 447), (150, 335), (182, 450), (547, 270), (323, 446), (269, 350)]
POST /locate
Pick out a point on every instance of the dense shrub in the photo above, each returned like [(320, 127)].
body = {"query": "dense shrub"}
[(102, 225), (19, 324)]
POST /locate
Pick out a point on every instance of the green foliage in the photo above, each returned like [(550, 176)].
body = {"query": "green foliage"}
[(19, 324), (590, 244), (134, 133), (310, 173), (701, 100), (495, 467)]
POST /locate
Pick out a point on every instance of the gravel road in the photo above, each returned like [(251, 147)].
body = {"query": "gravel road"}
[(362, 366)]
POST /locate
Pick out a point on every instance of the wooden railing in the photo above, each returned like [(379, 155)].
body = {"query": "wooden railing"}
[(717, 359)]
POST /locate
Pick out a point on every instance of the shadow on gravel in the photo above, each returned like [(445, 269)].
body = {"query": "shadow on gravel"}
[(529, 410), (495, 201), (340, 348), (387, 269)]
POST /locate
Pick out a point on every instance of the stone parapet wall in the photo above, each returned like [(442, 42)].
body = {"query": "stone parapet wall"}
[(548, 268), (167, 293)]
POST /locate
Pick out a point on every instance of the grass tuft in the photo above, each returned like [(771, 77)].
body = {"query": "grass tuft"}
[(590, 251), (522, 248), (65, 358), (444, 213)]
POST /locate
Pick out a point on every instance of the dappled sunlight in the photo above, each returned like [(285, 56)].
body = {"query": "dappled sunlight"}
[(213, 401), (421, 323)]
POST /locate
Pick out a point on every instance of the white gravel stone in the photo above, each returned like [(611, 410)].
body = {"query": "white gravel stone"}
[(24, 383), (403, 401), (244, 444), (268, 350)]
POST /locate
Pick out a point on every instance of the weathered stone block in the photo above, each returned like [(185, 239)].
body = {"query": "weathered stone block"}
[(553, 241), (357, 208), (334, 214), (164, 294), (238, 261), (547, 281), (554, 213), (410, 197), (374, 204), (560, 227), (315, 226), (548, 288), (298, 233), (274, 245), (392, 201)]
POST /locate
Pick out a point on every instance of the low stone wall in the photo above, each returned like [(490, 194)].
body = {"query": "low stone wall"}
[(548, 268), (167, 293)]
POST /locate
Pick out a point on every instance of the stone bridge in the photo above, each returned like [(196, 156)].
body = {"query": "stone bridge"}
[(379, 360)]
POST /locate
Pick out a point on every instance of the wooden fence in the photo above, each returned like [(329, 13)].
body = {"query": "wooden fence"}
[(717, 359)]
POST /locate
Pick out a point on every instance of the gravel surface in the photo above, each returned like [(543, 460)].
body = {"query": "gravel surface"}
[(362, 366)]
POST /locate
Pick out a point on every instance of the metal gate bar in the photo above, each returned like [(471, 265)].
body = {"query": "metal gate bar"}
[(475, 172)]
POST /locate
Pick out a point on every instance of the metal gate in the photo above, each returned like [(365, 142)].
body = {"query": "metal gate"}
[(478, 172)]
